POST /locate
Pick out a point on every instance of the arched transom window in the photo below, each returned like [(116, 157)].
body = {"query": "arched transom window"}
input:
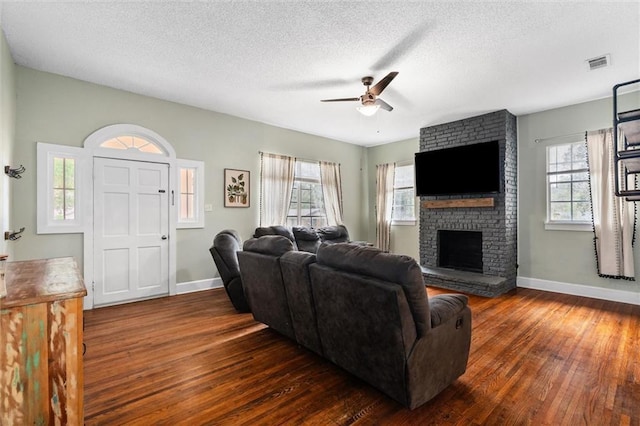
[(134, 143)]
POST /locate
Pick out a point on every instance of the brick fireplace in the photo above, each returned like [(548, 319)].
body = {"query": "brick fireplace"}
[(480, 252)]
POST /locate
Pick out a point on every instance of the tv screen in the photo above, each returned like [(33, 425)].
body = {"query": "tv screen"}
[(468, 169)]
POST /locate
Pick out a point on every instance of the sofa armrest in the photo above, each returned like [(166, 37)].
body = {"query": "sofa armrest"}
[(439, 358), (443, 307)]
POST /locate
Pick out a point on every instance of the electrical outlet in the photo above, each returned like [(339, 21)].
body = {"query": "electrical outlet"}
[(208, 208)]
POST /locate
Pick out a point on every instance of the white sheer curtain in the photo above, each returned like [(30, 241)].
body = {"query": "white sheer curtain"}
[(613, 217), (331, 192), (384, 204), (276, 182)]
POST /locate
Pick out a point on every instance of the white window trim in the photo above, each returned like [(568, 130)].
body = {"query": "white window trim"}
[(568, 226), (45, 222), (562, 225), (404, 222), (414, 221), (306, 180), (198, 194)]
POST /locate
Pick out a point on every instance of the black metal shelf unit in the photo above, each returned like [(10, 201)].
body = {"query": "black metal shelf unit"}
[(627, 147)]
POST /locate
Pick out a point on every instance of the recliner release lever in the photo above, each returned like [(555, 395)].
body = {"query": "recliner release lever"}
[(459, 323)]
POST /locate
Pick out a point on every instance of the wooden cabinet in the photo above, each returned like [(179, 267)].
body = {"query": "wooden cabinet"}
[(41, 373)]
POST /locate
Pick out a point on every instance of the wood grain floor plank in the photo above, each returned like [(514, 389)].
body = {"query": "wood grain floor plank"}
[(536, 358)]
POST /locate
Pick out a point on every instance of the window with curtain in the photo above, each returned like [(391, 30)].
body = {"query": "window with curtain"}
[(568, 199), (307, 202), (384, 204), (404, 210), (276, 181), (295, 192)]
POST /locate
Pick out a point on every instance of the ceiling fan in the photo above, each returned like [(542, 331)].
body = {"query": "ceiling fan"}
[(370, 100)]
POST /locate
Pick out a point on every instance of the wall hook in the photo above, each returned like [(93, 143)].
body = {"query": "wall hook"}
[(14, 173), (13, 235)]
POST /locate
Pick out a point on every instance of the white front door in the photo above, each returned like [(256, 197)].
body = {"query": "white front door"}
[(130, 225)]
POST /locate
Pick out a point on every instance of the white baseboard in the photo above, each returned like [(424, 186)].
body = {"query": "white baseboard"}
[(199, 285), (613, 295)]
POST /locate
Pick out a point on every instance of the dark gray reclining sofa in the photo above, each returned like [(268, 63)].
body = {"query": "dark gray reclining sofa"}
[(362, 309)]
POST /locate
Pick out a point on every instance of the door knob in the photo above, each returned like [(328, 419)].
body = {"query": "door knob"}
[(164, 237)]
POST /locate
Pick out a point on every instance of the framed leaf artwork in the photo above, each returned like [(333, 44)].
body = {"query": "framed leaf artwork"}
[(236, 188)]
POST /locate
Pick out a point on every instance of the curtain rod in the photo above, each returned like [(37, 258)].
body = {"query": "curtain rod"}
[(559, 137), (308, 160)]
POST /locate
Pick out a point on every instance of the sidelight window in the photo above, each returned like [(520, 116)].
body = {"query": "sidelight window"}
[(59, 188), (190, 199)]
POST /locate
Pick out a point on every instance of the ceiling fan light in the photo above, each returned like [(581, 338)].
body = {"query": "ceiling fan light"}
[(368, 110)]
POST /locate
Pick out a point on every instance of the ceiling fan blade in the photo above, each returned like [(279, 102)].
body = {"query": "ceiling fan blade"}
[(340, 100), (380, 86), (401, 49), (384, 105)]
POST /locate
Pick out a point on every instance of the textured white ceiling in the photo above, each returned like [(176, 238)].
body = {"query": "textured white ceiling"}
[(273, 61)]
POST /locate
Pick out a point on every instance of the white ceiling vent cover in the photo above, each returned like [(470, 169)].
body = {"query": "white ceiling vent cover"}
[(599, 62)]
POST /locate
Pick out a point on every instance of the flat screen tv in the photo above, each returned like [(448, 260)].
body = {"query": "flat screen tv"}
[(468, 169)]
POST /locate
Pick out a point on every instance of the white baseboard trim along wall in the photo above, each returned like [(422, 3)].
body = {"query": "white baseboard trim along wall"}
[(199, 285), (580, 290), (524, 282)]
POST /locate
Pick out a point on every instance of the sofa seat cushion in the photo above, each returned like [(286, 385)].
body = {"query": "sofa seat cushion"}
[(446, 306)]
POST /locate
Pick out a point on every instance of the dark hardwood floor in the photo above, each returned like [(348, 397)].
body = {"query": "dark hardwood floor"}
[(536, 358)]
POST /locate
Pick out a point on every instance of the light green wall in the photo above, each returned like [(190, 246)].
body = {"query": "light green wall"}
[(404, 238), (563, 256), (7, 135), (61, 110)]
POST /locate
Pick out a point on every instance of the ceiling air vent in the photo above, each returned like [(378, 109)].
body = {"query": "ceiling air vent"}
[(598, 62)]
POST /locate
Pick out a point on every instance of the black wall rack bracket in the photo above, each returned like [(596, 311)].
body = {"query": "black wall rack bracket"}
[(14, 173)]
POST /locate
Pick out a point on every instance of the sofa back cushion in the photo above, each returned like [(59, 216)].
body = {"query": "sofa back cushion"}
[(297, 282), (307, 239), (225, 246), (274, 245), (275, 230), (365, 326), (393, 268), (262, 281), (334, 234)]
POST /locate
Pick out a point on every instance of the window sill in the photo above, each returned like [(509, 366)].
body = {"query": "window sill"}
[(189, 225), (568, 226), (403, 222)]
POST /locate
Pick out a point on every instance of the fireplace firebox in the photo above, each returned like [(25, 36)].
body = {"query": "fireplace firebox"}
[(461, 250)]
